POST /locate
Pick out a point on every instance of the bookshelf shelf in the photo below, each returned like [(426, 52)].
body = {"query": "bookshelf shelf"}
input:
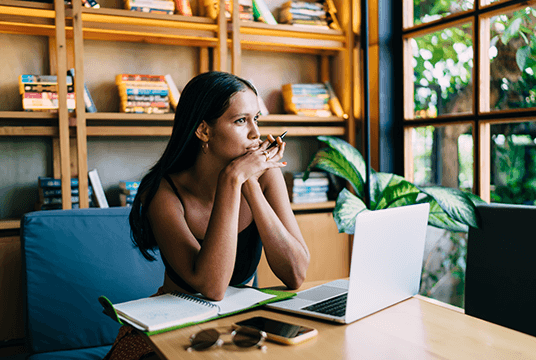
[(27, 115), (328, 205), (9, 224)]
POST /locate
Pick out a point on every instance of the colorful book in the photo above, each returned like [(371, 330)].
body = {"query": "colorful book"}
[(175, 310), (51, 182), (183, 7)]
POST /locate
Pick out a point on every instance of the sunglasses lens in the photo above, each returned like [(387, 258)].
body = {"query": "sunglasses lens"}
[(247, 338), (205, 339)]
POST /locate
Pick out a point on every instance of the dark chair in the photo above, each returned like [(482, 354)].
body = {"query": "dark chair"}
[(500, 284)]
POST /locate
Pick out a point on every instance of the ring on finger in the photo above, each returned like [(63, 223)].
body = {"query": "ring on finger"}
[(266, 154)]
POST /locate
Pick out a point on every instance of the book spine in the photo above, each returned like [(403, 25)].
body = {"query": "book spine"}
[(142, 91), (50, 79), (44, 87)]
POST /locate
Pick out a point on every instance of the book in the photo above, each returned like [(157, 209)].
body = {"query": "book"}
[(183, 7), (98, 191), (129, 185), (174, 310), (334, 103), (51, 182), (174, 93), (91, 4), (88, 100), (262, 13)]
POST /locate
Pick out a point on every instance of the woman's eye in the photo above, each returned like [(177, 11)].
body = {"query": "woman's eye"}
[(256, 119), (241, 120)]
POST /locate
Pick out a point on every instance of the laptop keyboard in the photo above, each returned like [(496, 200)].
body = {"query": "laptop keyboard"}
[(335, 306)]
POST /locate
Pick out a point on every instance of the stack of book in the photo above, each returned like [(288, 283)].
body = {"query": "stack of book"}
[(313, 190), (245, 10), (303, 13), (129, 189), (50, 194), (151, 6), (306, 99), (40, 92), (143, 93)]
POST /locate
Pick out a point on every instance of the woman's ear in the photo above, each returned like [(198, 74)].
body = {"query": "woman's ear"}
[(202, 131)]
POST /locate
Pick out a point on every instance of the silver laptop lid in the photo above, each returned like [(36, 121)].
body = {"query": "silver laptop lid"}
[(387, 258)]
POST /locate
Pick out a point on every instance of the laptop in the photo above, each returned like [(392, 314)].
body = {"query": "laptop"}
[(386, 265)]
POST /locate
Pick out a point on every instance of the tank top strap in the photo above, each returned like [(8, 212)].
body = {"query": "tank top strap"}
[(168, 179)]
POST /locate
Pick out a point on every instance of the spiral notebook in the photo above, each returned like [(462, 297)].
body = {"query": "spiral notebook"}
[(174, 310)]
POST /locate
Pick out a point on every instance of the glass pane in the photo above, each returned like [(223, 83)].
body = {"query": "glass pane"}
[(442, 72), (513, 163), (425, 11), (513, 60), (443, 156)]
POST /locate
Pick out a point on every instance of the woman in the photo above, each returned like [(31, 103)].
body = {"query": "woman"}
[(214, 199)]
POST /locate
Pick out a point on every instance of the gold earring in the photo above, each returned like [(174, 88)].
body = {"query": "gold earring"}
[(204, 147)]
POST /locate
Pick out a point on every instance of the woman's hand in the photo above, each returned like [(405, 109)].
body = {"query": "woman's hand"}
[(253, 164)]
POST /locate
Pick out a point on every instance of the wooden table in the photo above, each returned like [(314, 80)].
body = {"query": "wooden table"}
[(417, 328)]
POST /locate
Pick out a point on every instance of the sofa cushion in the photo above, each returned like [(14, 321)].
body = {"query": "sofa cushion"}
[(96, 353), (70, 258)]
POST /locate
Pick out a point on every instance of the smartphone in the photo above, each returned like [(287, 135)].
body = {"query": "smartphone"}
[(279, 331), (274, 143)]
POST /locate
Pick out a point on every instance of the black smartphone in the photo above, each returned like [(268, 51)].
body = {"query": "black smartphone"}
[(279, 331)]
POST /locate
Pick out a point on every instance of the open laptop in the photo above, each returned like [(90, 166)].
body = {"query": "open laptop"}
[(385, 268)]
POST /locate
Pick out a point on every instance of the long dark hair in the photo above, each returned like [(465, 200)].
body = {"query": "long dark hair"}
[(205, 97)]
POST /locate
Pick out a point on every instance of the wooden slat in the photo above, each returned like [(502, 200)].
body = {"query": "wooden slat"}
[(484, 160), (61, 56), (236, 47), (140, 19), (221, 50), (81, 133), (408, 154), (283, 118), (484, 79), (407, 58), (29, 131), (295, 45), (129, 117), (166, 130), (314, 206), (9, 224), (204, 61)]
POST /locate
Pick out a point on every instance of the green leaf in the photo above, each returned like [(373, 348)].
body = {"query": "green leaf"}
[(349, 152), (511, 31), (439, 218), (334, 162), (522, 55), (455, 203), (393, 190), (346, 209)]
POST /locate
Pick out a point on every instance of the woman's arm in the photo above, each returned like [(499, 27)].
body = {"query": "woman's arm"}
[(209, 268), (285, 249)]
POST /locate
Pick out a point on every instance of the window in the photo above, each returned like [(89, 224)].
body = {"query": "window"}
[(470, 96), (469, 81)]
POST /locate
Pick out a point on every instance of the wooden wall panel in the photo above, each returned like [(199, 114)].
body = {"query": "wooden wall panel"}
[(330, 251)]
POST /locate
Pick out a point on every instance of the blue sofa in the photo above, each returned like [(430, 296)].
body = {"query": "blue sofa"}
[(70, 258)]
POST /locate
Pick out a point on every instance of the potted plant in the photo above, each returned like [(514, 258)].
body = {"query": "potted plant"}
[(450, 209)]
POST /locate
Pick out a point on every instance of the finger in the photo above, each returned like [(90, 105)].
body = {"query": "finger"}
[(267, 142)]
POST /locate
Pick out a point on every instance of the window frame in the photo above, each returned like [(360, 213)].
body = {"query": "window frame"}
[(482, 117)]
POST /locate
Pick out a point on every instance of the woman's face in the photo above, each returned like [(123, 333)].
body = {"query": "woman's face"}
[(236, 131)]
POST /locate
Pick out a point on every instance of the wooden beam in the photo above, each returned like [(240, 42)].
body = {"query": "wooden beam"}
[(81, 134), (236, 46), (63, 114)]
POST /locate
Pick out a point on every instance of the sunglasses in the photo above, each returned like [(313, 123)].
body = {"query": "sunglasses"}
[(241, 337)]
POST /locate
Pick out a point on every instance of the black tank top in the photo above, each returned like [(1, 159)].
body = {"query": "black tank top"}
[(248, 254)]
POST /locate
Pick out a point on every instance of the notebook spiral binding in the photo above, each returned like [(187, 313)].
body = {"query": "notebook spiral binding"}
[(193, 299)]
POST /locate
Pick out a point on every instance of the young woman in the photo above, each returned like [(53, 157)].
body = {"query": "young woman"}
[(215, 198)]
